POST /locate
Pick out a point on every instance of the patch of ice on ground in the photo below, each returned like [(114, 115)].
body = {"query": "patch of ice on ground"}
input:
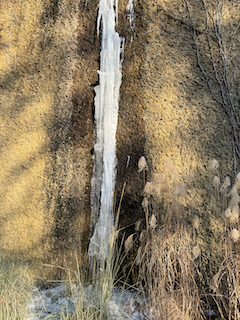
[(127, 304), (44, 303), (123, 304)]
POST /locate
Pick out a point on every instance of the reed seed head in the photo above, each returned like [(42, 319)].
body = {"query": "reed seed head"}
[(149, 188), (234, 201), (139, 256), (238, 176), (225, 185), (235, 198), (228, 213), (142, 164), (145, 203), (128, 242), (233, 191), (214, 282), (179, 189), (190, 177), (235, 235), (160, 184), (214, 165), (236, 209), (237, 183), (169, 162), (137, 224), (196, 252), (216, 182), (153, 222), (195, 222), (234, 217)]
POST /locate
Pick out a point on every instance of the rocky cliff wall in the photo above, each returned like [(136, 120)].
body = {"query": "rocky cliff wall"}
[(49, 62), (49, 59)]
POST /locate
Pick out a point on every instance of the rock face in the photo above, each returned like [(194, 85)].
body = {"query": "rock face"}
[(48, 69), (46, 127)]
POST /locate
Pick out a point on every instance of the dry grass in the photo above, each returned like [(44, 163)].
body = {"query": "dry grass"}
[(99, 277), (226, 287), (168, 258), (15, 289), (91, 287), (167, 274), (94, 283)]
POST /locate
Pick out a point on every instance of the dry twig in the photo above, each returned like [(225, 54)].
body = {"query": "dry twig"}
[(218, 47)]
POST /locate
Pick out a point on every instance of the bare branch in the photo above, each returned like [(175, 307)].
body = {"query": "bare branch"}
[(232, 37), (221, 57)]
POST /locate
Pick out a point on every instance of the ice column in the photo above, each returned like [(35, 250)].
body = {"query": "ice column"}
[(106, 117), (131, 14), (131, 17)]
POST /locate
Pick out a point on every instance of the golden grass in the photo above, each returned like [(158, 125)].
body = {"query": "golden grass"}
[(168, 257), (167, 274), (15, 289)]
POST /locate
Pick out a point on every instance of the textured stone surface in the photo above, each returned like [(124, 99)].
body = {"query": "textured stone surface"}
[(46, 127), (49, 54)]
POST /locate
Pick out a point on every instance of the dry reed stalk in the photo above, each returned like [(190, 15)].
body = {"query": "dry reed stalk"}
[(227, 286), (146, 216), (167, 270), (119, 206), (144, 177), (145, 207)]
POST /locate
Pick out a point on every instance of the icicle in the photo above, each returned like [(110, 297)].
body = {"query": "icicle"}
[(106, 116), (131, 16)]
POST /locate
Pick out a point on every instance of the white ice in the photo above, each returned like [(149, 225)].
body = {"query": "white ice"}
[(131, 16), (122, 305), (106, 117)]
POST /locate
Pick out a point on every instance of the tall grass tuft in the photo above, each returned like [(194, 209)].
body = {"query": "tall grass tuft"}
[(225, 284), (95, 282), (91, 288), (15, 289), (168, 257), (167, 274)]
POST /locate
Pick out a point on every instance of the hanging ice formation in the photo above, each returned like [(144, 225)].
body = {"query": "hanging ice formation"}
[(131, 16), (106, 117)]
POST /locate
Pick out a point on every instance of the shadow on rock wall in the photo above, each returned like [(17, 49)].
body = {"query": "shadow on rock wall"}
[(46, 141)]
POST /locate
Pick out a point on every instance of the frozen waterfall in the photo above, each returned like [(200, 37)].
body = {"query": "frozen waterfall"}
[(106, 117)]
